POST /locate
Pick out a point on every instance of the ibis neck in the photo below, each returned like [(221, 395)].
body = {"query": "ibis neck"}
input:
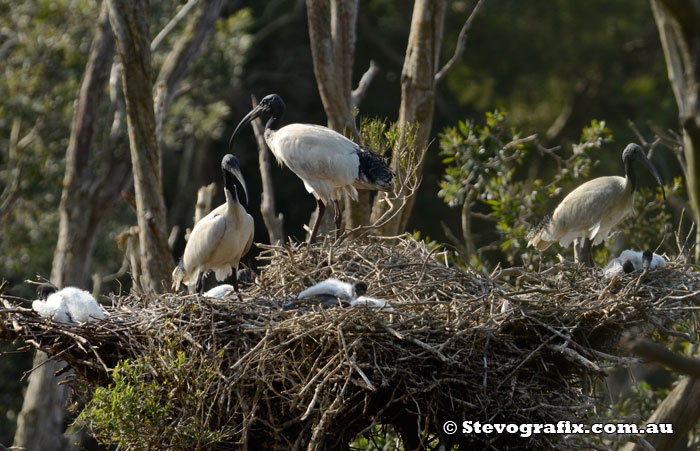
[(230, 188), (274, 123), (629, 172)]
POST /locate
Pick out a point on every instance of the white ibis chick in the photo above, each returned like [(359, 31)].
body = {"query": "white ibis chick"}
[(630, 261), (331, 292), (69, 305), (590, 211), (329, 164), (220, 239), (219, 291)]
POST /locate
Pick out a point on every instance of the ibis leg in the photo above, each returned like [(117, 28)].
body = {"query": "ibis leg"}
[(588, 252), (578, 250), (199, 286), (235, 284), (321, 209), (337, 218)]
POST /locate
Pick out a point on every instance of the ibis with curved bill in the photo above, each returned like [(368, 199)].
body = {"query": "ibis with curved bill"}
[(220, 239), (590, 211), (329, 164)]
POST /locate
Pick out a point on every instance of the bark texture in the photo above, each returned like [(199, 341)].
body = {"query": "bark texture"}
[(678, 22), (417, 92), (332, 25), (680, 408), (82, 209), (130, 22)]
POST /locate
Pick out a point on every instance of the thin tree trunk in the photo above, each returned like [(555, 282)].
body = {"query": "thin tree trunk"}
[(40, 423), (332, 25), (678, 22), (274, 222), (417, 92), (130, 22)]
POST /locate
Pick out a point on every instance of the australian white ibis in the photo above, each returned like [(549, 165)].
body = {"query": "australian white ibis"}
[(220, 239), (328, 163), (331, 292), (69, 305), (630, 261), (594, 208)]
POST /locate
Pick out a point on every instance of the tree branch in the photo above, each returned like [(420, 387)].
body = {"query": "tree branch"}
[(172, 24), (185, 51), (654, 352), (461, 44), (359, 93)]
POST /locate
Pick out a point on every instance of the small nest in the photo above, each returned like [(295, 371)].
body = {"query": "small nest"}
[(316, 379)]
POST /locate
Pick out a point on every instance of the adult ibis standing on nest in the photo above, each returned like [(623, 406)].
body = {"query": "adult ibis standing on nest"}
[(593, 209), (220, 239), (328, 163)]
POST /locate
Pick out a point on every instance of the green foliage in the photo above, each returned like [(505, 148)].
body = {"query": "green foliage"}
[(384, 138), (149, 405), (486, 176), (379, 437), (642, 401), (200, 115)]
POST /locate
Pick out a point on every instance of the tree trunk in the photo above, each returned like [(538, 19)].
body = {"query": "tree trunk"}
[(681, 409), (274, 222), (130, 22), (678, 22), (332, 25), (417, 93), (40, 423)]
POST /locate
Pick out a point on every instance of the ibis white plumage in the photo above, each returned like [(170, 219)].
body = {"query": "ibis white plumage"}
[(593, 209), (220, 239), (69, 305), (329, 164)]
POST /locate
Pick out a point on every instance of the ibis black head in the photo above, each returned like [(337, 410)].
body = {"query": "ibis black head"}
[(360, 288), (44, 290), (647, 256), (271, 105), (635, 152), (229, 165)]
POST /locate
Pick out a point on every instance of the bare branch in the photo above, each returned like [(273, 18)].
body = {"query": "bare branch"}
[(359, 93), (172, 24), (654, 352), (184, 52), (461, 44)]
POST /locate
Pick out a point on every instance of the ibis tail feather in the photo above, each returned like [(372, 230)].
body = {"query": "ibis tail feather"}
[(178, 275), (538, 235), (374, 173)]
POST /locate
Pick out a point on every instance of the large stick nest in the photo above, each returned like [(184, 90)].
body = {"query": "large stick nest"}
[(315, 379)]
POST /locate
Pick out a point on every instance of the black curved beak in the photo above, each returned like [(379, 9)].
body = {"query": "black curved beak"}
[(247, 119), (236, 171), (643, 158)]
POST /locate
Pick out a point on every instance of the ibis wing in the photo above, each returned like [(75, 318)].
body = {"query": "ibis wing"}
[(314, 152), (589, 205), (250, 236), (205, 239), (332, 287)]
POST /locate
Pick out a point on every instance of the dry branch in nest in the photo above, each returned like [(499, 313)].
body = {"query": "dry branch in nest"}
[(315, 379)]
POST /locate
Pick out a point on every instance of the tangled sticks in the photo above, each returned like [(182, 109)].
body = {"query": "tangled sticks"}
[(248, 373)]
